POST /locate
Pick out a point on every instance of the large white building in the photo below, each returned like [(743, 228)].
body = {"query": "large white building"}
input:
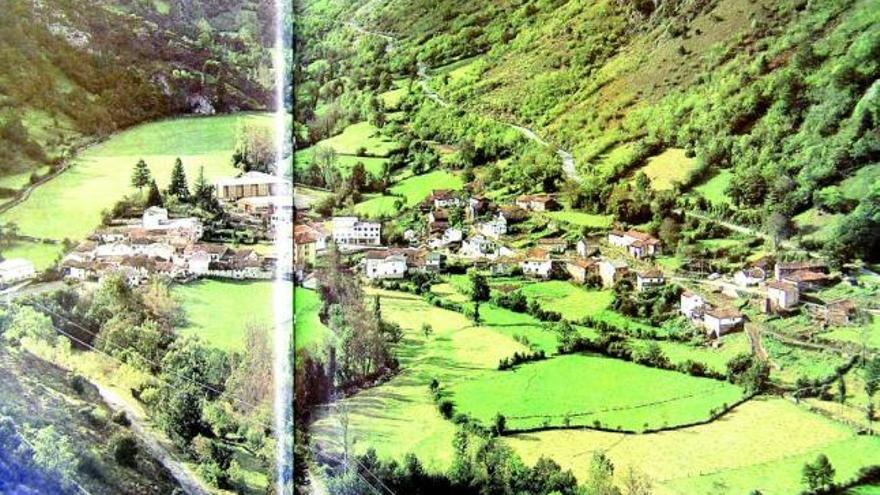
[(251, 184), (15, 270), (351, 231), (383, 264), (494, 228)]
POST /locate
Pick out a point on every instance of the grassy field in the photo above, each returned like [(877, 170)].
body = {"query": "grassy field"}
[(377, 207), (417, 188), (760, 445), (617, 394), (796, 362), (360, 135), (303, 159), (714, 189), (309, 332), (668, 168), (41, 255), (70, 205), (817, 225), (581, 219), (868, 334), (219, 311), (382, 417), (572, 302)]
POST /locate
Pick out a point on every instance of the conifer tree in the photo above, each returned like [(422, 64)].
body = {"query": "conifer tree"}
[(141, 176), (178, 186), (154, 197)]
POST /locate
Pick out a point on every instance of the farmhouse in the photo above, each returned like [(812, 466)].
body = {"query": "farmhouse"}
[(611, 271), (480, 247), (269, 208), (537, 263), (384, 265), (494, 228), (514, 214), (351, 231), (15, 270), (443, 198), (692, 305), (305, 247), (749, 277), (251, 184), (581, 269), (650, 278), (537, 202), (553, 244), (438, 220), (638, 244), (781, 270), (841, 312), (720, 321), (782, 295), (805, 279), (450, 236)]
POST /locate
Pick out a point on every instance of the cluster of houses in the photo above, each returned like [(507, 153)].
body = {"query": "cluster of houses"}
[(159, 245), (481, 239)]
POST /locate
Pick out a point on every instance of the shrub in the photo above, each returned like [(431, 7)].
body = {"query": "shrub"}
[(446, 408), (120, 418), (78, 384), (125, 450)]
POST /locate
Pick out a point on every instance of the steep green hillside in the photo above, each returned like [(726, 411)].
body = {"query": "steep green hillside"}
[(778, 97), (77, 69)]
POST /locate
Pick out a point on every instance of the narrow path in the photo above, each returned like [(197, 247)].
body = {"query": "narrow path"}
[(568, 165), (140, 427)]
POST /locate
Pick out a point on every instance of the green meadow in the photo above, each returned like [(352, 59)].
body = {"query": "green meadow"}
[(219, 312), (410, 190), (70, 205), (309, 332), (591, 390), (572, 302)]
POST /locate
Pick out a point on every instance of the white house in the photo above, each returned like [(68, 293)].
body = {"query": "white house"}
[(353, 232), (721, 321), (782, 295), (156, 219), (494, 228), (610, 271), (537, 264), (444, 198), (199, 263), (450, 236), (15, 270), (749, 277), (384, 264), (555, 245), (650, 278), (276, 209), (638, 244), (692, 305), (159, 250)]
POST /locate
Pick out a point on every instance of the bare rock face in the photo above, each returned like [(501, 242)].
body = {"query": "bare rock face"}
[(199, 104)]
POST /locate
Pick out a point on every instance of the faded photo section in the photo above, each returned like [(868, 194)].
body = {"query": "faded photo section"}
[(145, 234)]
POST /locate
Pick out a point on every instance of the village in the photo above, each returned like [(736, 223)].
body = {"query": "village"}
[(157, 244), (709, 301)]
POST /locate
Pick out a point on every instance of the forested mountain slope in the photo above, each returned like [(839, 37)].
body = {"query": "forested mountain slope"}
[(75, 68), (777, 99)]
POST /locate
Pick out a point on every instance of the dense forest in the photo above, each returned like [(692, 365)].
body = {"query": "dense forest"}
[(75, 69)]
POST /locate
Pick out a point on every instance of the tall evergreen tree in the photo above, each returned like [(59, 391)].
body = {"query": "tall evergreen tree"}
[(154, 197), (178, 186), (141, 176)]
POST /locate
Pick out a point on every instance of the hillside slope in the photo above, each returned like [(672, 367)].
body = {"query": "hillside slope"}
[(779, 95), (75, 69)]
